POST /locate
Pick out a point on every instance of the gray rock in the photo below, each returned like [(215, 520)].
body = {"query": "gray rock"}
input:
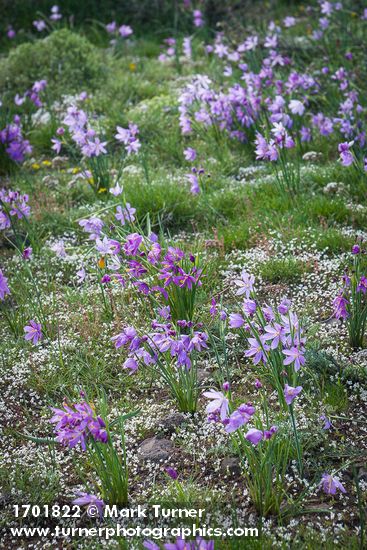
[(231, 465), (172, 421), (155, 449), (362, 475), (202, 375)]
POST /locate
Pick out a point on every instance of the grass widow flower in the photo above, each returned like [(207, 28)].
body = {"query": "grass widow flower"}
[(245, 284), (254, 436), (294, 355), (331, 485), (171, 472), (257, 351), (33, 332), (4, 289), (219, 403), (340, 307), (85, 499), (291, 393)]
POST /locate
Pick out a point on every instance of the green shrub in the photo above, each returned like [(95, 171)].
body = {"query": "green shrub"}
[(68, 61)]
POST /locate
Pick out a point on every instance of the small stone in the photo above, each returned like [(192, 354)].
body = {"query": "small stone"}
[(362, 475), (172, 421), (202, 375), (155, 449), (231, 465)]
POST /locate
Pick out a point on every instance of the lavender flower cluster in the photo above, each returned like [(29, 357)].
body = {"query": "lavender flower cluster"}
[(275, 99), (165, 340), (271, 332), (11, 137), (75, 424), (141, 256), (85, 137), (12, 204)]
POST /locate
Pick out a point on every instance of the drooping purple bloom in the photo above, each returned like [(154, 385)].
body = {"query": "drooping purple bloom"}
[(275, 333), (55, 13), (268, 434), (107, 246), (239, 417), (291, 393), (93, 226), (117, 190), (249, 307), (171, 472), (40, 25), (4, 289), (132, 244), (327, 423), (284, 306), (81, 274), (126, 214), (198, 18), (131, 364), (296, 107), (27, 253), (254, 436), (190, 154), (236, 320), (346, 157), (56, 145), (75, 424), (125, 31), (59, 249), (340, 307), (362, 285), (125, 337), (331, 485)]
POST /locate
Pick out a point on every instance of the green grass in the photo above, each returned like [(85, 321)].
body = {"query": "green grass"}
[(286, 270)]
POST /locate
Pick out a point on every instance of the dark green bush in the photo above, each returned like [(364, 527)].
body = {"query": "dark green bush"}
[(68, 61)]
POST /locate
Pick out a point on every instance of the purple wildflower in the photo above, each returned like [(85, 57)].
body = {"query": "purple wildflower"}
[(125, 31), (294, 355), (291, 393), (171, 472), (190, 154), (340, 307), (27, 253), (257, 351), (85, 499), (254, 436), (125, 215), (218, 404), (331, 485), (4, 289), (132, 244), (236, 320), (33, 332), (346, 156), (245, 284)]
